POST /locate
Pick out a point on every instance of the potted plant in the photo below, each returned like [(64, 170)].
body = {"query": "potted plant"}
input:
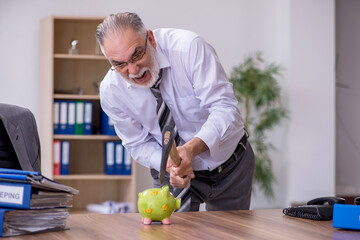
[(258, 92)]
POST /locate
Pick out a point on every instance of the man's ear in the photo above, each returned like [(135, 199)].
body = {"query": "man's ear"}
[(151, 38)]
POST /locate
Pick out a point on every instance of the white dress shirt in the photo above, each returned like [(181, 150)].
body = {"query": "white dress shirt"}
[(198, 93)]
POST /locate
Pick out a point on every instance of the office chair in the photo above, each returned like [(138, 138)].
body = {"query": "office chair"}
[(19, 139)]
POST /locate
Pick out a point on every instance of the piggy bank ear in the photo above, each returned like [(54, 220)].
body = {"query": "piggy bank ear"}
[(165, 189)]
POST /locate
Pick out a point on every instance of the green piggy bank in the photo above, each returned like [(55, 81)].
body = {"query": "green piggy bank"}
[(157, 204)]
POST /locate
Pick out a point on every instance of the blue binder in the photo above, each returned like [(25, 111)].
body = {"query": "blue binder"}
[(88, 125), (107, 126), (346, 216), (127, 163), (56, 119), (110, 158), (15, 195), (70, 127), (63, 117), (16, 187), (65, 158), (119, 158), (34, 178)]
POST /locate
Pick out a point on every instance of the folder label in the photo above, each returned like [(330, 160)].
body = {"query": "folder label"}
[(11, 194)]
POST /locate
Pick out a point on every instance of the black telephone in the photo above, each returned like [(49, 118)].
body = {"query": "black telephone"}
[(316, 209)]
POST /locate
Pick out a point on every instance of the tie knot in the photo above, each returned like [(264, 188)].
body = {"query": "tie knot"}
[(157, 83)]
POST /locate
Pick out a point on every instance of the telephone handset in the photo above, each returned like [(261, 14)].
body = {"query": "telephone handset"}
[(326, 201), (316, 209)]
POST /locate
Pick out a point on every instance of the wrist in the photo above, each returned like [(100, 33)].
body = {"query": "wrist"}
[(195, 146)]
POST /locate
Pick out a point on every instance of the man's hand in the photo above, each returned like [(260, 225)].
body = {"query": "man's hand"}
[(180, 176)]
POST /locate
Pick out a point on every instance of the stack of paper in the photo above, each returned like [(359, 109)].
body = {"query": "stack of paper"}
[(30, 202), (19, 222)]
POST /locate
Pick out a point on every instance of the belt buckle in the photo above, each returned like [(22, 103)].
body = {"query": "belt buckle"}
[(219, 169)]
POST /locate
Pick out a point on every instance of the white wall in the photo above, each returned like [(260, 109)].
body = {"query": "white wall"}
[(311, 146), (348, 97), (297, 34)]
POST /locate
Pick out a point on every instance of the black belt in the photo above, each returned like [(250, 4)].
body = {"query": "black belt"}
[(241, 146)]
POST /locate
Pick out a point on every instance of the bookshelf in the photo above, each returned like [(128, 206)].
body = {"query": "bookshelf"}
[(65, 76)]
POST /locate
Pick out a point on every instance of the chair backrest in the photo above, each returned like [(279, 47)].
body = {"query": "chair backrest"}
[(20, 136), (8, 158)]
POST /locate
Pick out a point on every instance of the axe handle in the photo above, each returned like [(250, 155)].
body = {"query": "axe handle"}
[(175, 155)]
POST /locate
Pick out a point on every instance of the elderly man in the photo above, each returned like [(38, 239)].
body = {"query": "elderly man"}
[(174, 76)]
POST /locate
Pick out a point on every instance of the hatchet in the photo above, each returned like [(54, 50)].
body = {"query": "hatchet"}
[(168, 148)]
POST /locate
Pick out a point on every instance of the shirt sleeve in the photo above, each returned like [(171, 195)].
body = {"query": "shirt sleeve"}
[(215, 93), (143, 148)]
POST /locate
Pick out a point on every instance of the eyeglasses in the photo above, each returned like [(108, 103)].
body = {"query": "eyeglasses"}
[(137, 56)]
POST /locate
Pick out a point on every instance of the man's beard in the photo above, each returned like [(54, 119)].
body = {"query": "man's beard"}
[(154, 72)]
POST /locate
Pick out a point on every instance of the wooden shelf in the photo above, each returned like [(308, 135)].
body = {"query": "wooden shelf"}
[(86, 137), (77, 96), (79, 56), (93, 177), (62, 76)]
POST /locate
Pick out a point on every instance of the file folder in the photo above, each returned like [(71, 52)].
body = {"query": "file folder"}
[(71, 118), (119, 158), (109, 157), (107, 126), (15, 195), (57, 157), (65, 157), (18, 189), (346, 216), (79, 118), (63, 117), (127, 163), (88, 108), (56, 115), (33, 178)]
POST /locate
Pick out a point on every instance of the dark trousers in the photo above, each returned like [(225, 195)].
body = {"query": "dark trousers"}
[(227, 189)]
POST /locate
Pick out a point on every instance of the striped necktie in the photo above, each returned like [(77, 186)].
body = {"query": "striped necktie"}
[(163, 112), (165, 119)]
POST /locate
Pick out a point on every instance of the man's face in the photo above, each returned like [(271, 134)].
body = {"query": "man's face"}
[(123, 51)]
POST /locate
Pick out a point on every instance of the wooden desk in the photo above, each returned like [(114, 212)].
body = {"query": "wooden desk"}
[(255, 224)]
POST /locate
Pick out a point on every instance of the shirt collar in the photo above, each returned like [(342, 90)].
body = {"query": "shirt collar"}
[(162, 59)]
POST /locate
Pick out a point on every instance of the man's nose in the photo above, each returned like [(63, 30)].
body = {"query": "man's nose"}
[(133, 68)]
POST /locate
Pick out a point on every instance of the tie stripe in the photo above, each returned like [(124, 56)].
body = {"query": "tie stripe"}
[(163, 112)]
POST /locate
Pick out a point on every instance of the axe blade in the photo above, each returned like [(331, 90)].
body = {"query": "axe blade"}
[(167, 142)]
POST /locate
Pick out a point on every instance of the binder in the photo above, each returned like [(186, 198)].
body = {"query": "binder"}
[(15, 195), (109, 158), (119, 158), (88, 109), (63, 117), (20, 189), (346, 216), (71, 118), (107, 126), (56, 116), (30, 202), (65, 157), (34, 178), (57, 157), (127, 163), (79, 118)]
